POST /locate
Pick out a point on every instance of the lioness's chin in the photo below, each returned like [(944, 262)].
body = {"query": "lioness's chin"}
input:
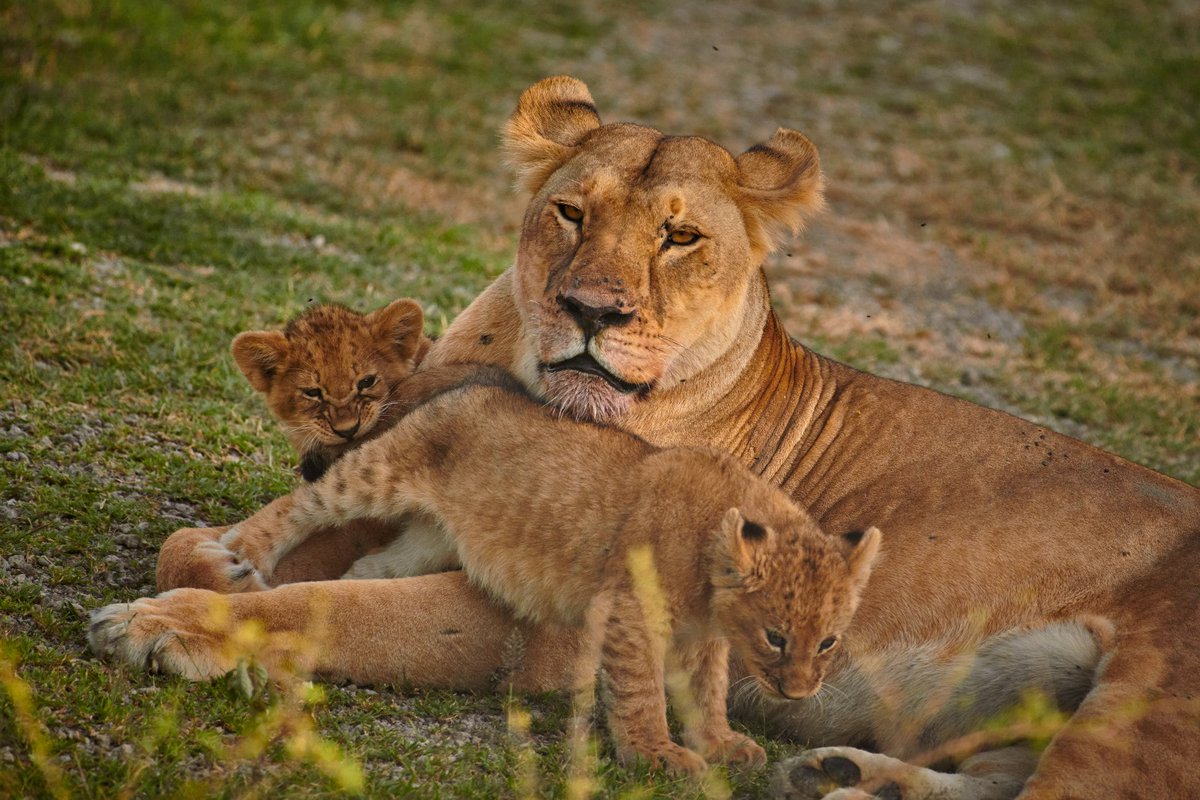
[(586, 397)]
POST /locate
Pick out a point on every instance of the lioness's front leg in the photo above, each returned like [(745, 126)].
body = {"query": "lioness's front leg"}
[(432, 631)]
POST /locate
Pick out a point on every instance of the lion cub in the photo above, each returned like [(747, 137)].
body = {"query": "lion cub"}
[(542, 512), (329, 374)]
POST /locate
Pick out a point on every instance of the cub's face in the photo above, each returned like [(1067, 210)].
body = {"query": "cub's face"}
[(790, 601), (638, 250), (328, 375)]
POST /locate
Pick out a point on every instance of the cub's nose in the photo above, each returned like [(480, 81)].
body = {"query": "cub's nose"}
[(591, 318), (346, 433)]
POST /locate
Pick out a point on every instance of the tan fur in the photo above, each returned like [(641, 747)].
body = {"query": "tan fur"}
[(547, 533), (996, 528), (351, 362)]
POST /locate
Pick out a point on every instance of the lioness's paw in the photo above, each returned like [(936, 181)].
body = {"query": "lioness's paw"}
[(833, 772), (165, 633)]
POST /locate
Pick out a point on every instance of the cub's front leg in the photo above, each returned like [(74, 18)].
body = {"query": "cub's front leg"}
[(633, 658), (707, 662)]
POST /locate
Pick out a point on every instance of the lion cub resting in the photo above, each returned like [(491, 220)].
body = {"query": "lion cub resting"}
[(329, 374), (542, 513)]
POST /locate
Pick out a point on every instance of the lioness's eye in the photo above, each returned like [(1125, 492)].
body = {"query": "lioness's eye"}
[(826, 644), (314, 393), (571, 213), (367, 382), (776, 640), (683, 237)]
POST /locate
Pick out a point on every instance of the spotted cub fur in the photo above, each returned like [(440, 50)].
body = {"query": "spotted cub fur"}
[(543, 513)]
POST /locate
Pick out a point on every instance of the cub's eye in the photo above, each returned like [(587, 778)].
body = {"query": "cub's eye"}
[(826, 644), (570, 213), (682, 237), (776, 640), (367, 382), (314, 393)]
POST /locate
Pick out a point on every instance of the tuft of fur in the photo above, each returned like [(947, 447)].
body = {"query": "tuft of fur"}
[(329, 375)]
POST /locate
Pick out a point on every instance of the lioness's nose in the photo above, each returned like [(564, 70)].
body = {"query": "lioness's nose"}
[(593, 319)]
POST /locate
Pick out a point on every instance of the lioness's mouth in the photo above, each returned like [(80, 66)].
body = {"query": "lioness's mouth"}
[(585, 363)]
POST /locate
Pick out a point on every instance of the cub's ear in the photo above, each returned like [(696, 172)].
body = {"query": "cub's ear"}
[(258, 355), (401, 322), (742, 538), (781, 184), (552, 117), (861, 549)]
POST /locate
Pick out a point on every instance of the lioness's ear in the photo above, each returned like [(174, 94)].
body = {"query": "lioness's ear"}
[(258, 355), (552, 117), (781, 185), (863, 547), (400, 323)]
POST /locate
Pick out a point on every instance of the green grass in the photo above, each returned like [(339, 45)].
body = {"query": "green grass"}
[(173, 173)]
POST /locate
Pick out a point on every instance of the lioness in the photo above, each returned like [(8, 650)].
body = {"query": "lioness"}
[(637, 297)]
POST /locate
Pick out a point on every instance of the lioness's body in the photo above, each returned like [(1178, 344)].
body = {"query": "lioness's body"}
[(982, 535), (543, 513)]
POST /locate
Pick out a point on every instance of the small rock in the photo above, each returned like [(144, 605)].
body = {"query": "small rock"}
[(127, 540), (17, 457)]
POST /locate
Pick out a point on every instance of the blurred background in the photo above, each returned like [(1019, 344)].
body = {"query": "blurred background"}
[(1013, 218)]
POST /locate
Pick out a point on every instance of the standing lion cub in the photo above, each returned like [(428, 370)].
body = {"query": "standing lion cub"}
[(543, 513)]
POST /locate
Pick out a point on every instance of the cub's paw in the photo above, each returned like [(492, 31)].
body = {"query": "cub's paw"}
[(204, 558), (668, 756), (735, 748), (679, 760), (169, 633), (230, 571)]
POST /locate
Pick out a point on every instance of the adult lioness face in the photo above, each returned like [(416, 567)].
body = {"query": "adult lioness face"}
[(638, 249)]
